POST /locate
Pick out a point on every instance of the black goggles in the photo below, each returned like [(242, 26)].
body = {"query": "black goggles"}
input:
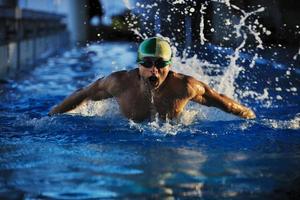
[(156, 63)]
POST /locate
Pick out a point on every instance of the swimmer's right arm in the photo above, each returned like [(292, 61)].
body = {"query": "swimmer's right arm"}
[(95, 92)]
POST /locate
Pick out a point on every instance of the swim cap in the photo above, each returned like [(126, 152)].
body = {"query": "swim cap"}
[(155, 47)]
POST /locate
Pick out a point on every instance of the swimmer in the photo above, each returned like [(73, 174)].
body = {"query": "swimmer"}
[(152, 88)]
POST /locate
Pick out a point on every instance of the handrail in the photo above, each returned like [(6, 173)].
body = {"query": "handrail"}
[(27, 14), (19, 24)]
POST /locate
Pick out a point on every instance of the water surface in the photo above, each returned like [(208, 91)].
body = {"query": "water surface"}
[(97, 153)]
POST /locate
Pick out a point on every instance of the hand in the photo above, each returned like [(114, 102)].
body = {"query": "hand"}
[(55, 110), (241, 111), (248, 114)]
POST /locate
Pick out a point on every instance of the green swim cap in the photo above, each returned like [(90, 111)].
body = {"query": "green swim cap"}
[(155, 47)]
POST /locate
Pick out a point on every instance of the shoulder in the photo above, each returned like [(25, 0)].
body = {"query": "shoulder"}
[(117, 77), (182, 77), (191, 84), (119, 81), (123, 75)]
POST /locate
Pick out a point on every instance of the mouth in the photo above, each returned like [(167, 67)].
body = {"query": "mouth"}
[(153, 80)]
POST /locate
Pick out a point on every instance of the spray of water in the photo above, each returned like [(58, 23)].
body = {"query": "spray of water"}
[(202, 11), (102, 108), (223, 82), (296, 55), (127, 4)]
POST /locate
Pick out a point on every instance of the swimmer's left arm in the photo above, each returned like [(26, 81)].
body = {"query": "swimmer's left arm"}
[(207, 96)]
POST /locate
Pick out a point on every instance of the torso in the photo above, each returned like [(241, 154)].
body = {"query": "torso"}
[(138, 102)]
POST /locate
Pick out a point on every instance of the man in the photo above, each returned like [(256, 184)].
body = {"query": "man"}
[(152, 88)]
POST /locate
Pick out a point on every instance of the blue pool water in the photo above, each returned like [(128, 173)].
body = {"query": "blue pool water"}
[(97, 153)]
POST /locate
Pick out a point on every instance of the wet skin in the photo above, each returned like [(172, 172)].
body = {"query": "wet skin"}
[(142, 92)]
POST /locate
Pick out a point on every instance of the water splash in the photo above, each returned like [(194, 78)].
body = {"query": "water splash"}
[(296, 55), (242, 23), (226, 82), (107, 107), (202, 11), (158, 127), (221, 77), (293, 124), (178, 2), (128, 4)]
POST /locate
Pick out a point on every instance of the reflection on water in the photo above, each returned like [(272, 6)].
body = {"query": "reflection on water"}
[(127, 169)]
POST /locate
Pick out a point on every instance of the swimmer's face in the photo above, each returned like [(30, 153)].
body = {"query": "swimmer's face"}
[(154, 71)]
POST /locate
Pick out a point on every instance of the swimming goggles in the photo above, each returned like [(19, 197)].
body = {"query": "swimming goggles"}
[(148, 63)]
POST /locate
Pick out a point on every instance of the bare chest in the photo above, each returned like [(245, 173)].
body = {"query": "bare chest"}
[(139, 105)]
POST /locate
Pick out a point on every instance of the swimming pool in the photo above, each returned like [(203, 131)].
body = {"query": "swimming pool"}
[(96, 153)]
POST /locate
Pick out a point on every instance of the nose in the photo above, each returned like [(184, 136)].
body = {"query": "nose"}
[(154, 70)]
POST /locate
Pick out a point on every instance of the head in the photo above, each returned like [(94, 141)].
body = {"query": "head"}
[(154, 59)]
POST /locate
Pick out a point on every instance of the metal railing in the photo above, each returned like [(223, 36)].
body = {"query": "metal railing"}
[(27, 36), (18, 24)]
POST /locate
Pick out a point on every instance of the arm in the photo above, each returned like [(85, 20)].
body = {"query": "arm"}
[(207, 96), (96, 91)]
